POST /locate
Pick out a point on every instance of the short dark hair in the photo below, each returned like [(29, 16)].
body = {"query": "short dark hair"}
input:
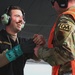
[(8, 10)]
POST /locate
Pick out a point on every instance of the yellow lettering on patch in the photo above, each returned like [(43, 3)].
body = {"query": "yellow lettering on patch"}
[(64, 26)]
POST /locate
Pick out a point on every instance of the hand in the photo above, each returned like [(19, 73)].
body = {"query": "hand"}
[(36, 50), (39, 39), (28, 46), (25, 47)]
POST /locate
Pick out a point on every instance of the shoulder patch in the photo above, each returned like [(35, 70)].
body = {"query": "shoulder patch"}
[(64, 26)]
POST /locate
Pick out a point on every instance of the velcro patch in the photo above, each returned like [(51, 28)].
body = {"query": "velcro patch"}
[(64, 26)]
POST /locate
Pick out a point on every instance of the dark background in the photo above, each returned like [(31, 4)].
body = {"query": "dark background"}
[(39, 14)]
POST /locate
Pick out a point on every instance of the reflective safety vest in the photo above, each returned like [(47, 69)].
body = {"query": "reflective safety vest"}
[(55, 69)]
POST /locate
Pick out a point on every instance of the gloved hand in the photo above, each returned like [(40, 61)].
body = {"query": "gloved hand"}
[(25, 47), (28, 46)]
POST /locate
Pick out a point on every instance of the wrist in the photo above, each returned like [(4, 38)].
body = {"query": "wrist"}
[(14, 53), (36, 50)]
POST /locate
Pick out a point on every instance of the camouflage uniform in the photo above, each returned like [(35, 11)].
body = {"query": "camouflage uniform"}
[(64, 45)]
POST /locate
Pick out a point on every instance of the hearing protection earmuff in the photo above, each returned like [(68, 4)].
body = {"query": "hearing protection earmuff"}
[(61, 3), (6, 17)]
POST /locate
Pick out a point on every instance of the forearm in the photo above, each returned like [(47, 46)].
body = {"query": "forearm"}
[(8, 56), (54, 56), (3, 59), (16, 52)]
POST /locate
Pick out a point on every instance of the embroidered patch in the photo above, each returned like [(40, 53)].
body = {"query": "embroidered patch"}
[(64, 26)]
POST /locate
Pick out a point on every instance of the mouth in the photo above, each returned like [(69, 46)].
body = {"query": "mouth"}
[(19, 25)]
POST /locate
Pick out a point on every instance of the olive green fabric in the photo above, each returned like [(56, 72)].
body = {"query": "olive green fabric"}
[(64, 45)]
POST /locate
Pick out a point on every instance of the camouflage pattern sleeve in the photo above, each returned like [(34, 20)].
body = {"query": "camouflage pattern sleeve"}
[(3, 59), (64, 43)]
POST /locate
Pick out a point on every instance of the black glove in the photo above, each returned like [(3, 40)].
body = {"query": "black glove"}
[(28, 46)]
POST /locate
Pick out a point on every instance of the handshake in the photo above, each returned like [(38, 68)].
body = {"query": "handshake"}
[(28, 45), (25, 47)]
